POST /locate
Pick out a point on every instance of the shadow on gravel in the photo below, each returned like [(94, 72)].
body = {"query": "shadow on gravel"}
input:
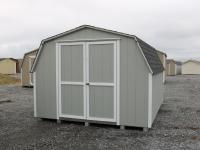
[(5, 101)]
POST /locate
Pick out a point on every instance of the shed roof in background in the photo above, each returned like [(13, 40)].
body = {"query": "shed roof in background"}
[(33, 51), (178, 62), (171, 60), (191, 60), (149, 52), (9, 58), (162, 52)]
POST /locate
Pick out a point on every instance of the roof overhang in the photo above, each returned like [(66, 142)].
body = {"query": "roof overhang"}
[(33, 51)]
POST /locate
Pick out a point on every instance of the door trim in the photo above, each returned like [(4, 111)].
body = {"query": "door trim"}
[(60, 82), (114, 84), (85, 58)]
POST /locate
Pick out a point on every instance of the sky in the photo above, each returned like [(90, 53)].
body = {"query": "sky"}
[(172, 26)]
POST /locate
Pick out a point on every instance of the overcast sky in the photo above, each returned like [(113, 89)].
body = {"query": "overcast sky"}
[(172, 26)]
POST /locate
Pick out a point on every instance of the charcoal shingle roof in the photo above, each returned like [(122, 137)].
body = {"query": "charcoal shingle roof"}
[(178, 63), (151, 56)]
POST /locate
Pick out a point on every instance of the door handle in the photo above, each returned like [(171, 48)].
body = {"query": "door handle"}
[(87, 83)]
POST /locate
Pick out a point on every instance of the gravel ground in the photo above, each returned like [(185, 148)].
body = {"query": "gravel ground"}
[(177, 125)]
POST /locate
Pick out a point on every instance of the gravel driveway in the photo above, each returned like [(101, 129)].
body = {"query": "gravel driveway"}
[(177, 125)]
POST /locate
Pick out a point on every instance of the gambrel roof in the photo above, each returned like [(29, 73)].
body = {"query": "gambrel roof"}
[(30, 52), (150, 54)]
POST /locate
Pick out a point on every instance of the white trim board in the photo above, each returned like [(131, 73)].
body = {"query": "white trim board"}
[(34, 91), (114, 119), (57, 79), (118, 82), (60, 82), (150, 101), (88, 40), (137, 43), (30, 65)]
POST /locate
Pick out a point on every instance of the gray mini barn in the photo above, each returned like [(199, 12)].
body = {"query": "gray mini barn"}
[(92, 74)]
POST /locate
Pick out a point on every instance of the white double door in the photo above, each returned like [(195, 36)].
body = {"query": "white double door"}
[(87, 80)]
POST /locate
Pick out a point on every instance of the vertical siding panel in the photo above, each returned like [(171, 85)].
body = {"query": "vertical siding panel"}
[(131, 82), (46, 83), (123, 84)]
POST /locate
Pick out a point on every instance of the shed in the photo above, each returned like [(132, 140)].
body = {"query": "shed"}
[(171, 67), (92, 74), (178, 67), (191, 67), (19, 64), (163, 57), (8, 66), (26, 76)]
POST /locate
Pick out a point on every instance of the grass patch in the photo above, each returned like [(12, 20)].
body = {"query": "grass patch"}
[(6, 79)]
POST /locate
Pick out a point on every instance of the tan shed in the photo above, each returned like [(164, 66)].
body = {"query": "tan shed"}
[(163, 57), (26, 76), (191, 67), (8, 65), (19, 64), (171, 67)]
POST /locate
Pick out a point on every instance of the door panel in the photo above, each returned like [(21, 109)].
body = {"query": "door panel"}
[(101, 81), (72, 63), (72, 82), (101, 102), (101, 63), (72, 100)]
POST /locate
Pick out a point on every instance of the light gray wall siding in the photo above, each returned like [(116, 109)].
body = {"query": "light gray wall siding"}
[(157, 93), (133, 78), (133, 85), (46, 82)]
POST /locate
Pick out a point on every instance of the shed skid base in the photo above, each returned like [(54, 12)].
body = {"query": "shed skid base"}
[(122, 127), (87, 124), (59, 121), (145, 129)]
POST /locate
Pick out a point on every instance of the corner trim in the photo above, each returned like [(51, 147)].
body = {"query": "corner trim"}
[(150, 101), (143, 55), (34, 94)]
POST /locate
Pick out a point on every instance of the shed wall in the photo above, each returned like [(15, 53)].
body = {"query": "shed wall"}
[(26, 70), (191, 68), (171, 69), (163, 60), (157, 93), (133, 78), (7, 66)]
